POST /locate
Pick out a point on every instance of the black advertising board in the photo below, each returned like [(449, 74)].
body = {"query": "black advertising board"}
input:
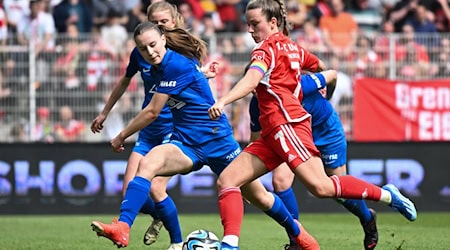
[(87, 178)]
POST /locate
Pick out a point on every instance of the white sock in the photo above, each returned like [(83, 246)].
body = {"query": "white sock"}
[(231, 240), (386, 197)]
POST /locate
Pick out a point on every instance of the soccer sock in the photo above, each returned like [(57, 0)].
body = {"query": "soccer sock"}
[(289, 200), (358, 208), (169, 216), (135, 196), (149, 208), (349, 187), (280, 214), (231, 209)]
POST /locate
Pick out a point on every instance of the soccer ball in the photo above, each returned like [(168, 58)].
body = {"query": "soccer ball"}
[(201, 239)]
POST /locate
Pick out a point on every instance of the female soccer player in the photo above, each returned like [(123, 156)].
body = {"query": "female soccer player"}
[(286, 127), (196, 139), (329, 138), (166, 14)]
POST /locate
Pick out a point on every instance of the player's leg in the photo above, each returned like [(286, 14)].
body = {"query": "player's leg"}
[(167, 159), (298, 141), (282, 178), (167, 212)]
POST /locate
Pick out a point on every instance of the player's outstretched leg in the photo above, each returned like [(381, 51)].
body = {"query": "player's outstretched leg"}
[(118, 232), (370, 232), (176, 246), (225, 246), (400, 203), (152, 233)]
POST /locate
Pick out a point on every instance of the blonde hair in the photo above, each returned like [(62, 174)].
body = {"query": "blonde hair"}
[(177, 39), (162, 6), (269, 9)]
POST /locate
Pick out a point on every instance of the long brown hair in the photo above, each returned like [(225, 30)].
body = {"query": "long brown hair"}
[(177, 39), (269, 9)]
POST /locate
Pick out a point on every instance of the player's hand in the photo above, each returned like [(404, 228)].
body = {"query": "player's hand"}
[(97, 123), (117, 144), (216, 110), (211, 69)]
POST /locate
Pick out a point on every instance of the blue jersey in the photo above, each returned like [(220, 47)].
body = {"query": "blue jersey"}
[(190, 98), (163, 124)]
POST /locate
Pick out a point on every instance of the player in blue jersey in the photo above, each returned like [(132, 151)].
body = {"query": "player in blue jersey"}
[(162, 13), (196, 139), (329, 138)]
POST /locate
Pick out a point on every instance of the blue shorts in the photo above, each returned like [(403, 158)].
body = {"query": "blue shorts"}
[(217, 154), (329, 138), (143, 146)]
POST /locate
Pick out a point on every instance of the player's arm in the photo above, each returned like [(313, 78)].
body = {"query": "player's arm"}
[(143, 119), (255, 126), (242, 88)]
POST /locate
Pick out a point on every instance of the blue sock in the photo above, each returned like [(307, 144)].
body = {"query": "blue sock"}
[(358, 208), (137, 192), (280, 214), (290, 201), (149, 208), (169, 216)]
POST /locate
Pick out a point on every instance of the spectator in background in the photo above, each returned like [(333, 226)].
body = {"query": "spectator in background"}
[(367, 17), (229, 15), (364, 57), (339, 29), (99, 55), (383, 40), (38, 27), (113, 32), (401, 12), (18, 132), (444, 59), (68, 129), (3, 26), (412, 56), (321, 8), (311, 38), (297, 13), (43, 129), (15, 11), (426, 32), (441, 11), (75, 12)]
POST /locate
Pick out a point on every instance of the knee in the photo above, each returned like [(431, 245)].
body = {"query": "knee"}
[(320, 190), (263, 201)]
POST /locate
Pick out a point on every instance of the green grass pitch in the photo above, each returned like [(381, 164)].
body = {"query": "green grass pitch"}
[(334, 231)]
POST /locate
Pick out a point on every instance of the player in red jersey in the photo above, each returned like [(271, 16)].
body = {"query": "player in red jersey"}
[(286, 127)]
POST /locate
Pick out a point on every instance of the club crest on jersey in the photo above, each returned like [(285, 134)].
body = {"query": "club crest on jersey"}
[(258, 55), (167, 83)]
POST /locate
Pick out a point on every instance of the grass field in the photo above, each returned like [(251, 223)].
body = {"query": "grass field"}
[(333, 231)]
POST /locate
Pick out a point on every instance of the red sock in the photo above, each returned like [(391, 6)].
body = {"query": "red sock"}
[(349, 187), (231, 209)]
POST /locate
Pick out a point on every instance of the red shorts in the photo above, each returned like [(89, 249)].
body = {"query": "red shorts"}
[(291, 143)]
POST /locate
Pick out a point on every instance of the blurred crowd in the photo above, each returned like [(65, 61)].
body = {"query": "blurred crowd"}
[(73, 51)]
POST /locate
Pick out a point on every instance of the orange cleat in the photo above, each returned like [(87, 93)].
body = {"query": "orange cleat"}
[(304, 240), (118, 232)]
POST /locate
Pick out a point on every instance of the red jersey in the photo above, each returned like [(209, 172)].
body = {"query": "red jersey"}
[(279, 93)]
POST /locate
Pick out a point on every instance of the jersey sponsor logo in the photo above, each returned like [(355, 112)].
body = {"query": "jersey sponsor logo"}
[(258, 55), (175, 104), (233, 154), (168, 83)]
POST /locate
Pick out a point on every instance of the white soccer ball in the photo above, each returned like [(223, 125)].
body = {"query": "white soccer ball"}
[(201, 239)]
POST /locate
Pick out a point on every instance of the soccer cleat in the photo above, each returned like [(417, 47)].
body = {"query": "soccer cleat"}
[(304, 240), (118, 232), (291, 246), (226, 246), (370, 232), (400, 203), (152, 233), (176, 246)]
